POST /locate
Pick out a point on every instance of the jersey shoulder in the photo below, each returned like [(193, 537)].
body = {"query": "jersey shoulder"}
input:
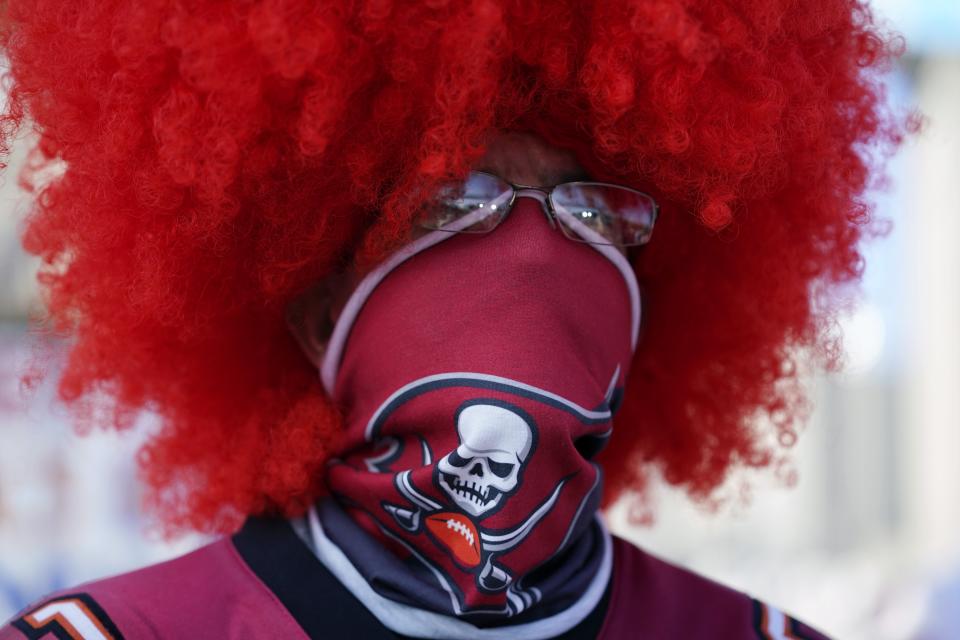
[(209, 593), (655, 599)]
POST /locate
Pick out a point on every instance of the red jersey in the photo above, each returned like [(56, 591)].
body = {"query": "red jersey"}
[(264, 582)]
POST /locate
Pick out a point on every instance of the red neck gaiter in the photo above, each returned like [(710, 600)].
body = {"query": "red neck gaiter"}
[(478, 374)]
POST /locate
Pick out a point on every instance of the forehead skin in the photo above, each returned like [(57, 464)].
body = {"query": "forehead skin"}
[(523, 158)]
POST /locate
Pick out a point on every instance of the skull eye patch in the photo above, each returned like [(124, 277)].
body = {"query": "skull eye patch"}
[(500, 469)]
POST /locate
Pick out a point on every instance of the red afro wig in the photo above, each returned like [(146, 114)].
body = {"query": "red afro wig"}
[(220, 157)]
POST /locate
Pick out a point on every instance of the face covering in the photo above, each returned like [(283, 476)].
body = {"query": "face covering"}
[(478, 375)]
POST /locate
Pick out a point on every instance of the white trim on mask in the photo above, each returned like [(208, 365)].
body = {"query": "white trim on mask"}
[(420, 623), (330, 364)]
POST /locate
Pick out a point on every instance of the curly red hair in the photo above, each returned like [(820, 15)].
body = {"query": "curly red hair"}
[(221, 157)]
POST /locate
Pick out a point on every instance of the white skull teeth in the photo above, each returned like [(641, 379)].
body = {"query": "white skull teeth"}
[(470, 490)]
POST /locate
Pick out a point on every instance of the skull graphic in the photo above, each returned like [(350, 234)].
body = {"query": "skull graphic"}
[(495, 443)]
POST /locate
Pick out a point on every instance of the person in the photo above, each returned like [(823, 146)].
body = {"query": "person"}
[(416, 288)]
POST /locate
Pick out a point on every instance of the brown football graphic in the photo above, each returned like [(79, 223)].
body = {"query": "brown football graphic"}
[(458, 534)]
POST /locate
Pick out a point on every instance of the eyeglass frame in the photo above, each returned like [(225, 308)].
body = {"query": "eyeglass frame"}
[(543, 196)]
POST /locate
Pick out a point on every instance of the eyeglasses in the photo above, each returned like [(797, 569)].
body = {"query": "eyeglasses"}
[(590, 212)]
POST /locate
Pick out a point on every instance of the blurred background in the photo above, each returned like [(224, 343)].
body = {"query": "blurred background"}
[(866, 544)]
